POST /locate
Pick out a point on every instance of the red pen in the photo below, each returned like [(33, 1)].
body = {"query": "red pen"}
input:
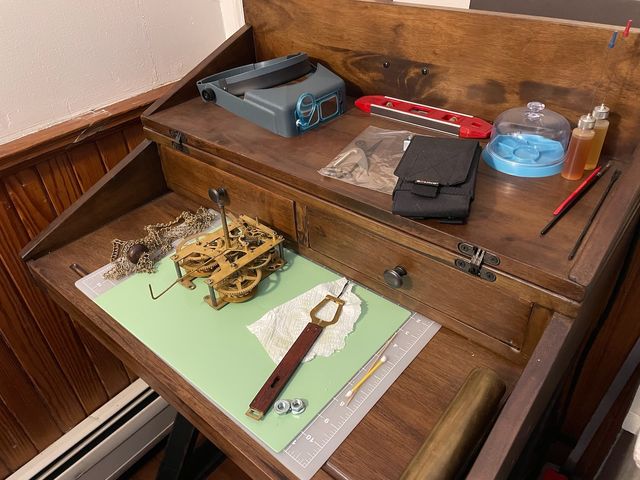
[(577, 191), (574, 197)]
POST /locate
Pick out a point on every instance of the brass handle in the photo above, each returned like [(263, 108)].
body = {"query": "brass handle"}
[(394, 276), (460, 430)]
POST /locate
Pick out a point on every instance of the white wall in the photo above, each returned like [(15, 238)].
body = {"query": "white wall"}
[(62, 58)]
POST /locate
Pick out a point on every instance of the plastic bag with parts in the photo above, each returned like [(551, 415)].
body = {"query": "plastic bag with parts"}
[(370, 159)]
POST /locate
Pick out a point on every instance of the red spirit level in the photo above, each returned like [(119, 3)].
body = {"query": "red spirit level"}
[(454, 123)]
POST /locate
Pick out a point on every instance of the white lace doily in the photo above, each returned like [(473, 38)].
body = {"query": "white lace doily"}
[(279, 327)]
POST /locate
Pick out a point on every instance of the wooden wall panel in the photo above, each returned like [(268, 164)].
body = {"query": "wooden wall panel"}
[(4, 470), (112, 148), (60, 181), (35, 356), (52, 321), (133, 136), (25, 191), (87, 164), (34, 414), (53, 373), (15, 446)]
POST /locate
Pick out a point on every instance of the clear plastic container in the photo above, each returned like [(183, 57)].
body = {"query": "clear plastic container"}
[(528, 141)]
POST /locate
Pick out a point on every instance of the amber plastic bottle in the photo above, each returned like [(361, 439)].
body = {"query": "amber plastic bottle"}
[(600, 113), (579, 146)]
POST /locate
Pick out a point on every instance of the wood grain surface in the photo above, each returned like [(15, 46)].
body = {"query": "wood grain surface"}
[(443, 287), (134, 181), (246, 198), (551, 361), (506, 215), (405, 423), (15, 445), (478, 63), (483, 78), (609, 349)]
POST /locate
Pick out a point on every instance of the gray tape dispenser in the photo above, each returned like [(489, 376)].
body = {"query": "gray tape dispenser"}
[(263, 93)]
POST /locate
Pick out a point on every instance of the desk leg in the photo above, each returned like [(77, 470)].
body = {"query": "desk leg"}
[(182, 460)]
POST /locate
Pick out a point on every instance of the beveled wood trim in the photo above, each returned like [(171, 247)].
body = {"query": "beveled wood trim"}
[(137, 179), (606, 222), (562, 340), (25, 151), (530, 396)]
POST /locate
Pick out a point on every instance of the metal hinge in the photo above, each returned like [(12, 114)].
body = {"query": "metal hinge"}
[(177, 140), (475, 264)]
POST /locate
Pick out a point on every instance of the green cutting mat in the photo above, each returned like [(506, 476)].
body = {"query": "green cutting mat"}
[(215, 351)]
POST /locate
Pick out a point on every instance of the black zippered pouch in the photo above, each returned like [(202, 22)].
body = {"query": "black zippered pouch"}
[(436, 179)]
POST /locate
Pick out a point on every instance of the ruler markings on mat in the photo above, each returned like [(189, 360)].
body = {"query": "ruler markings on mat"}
[(306, 454)]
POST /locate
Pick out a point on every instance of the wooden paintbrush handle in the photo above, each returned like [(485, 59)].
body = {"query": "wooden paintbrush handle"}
[(284, 371)]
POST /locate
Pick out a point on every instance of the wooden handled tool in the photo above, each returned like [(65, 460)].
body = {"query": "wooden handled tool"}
[(292, 359), (460, 429)]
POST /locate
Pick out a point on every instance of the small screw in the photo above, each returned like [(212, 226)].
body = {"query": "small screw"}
[(425, 71), (386, 64)]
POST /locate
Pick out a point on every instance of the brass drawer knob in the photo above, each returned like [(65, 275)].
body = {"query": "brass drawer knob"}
[(394, 277)]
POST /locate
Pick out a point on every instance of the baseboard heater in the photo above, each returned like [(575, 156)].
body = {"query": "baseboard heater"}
[(106, 443)]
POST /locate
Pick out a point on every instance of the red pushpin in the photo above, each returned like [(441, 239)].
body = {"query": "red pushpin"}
[(625, 34)]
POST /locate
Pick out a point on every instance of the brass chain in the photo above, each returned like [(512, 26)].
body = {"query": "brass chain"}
[(156, 244)]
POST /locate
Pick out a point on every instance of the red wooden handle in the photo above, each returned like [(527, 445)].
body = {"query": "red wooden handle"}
[(284, 371)]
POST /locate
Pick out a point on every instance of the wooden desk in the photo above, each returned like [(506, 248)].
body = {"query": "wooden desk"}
[(526, 325)]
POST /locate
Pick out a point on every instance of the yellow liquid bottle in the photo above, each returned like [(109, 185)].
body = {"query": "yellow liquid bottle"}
[(579, 146), (600, 113)]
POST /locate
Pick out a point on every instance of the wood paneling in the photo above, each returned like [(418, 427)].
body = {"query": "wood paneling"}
[(53, 373), (15, 446), (112, 149), (59, 180), (25, 190), (25, 338), (133, 136), (52, 321), (87, 164), (29, 406)]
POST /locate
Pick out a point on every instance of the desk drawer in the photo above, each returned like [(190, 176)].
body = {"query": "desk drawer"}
[(472, 301), (193, 178)]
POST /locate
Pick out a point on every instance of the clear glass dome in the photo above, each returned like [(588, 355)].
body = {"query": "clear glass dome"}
[(528, 141)]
